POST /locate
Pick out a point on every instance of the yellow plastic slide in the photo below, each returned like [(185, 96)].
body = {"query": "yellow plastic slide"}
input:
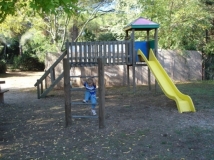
[(184, 102)]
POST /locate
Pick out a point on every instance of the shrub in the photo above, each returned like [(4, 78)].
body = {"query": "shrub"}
[(106, 37), (28, 62)]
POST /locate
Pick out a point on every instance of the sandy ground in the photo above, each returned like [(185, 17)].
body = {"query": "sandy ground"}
[(18, 80), (18, 83)]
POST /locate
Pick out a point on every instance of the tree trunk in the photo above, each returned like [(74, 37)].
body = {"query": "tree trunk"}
[(74, 31)]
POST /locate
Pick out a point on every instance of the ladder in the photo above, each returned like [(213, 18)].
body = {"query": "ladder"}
[(68, 96), (81, 103)]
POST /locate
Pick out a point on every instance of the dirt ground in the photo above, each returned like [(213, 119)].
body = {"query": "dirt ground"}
[(144, 125)]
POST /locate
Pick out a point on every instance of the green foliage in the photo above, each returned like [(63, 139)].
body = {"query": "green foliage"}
[(35, 42), (209, 48), (3, 67), (89, 36), (47, 7), (106, 37), (179, 29), (8, 7), (28, 62), (125, 12)]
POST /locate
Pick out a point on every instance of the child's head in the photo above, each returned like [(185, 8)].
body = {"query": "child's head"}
[(90, 81)]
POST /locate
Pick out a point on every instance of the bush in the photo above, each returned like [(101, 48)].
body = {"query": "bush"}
[(3, 67), (28, 62), (106, 37)]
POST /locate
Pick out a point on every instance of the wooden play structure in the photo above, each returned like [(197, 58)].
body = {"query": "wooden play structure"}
[(83, 54), (128, 52)]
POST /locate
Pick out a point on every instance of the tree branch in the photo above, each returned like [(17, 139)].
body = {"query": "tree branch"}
[(93, 16)]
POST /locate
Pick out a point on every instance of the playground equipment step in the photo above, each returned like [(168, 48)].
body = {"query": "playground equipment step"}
[(83, 76), (81, 103), (79, 116), (78, 89)]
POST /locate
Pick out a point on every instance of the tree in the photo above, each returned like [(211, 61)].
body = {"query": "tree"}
[(178, 26), (8, 7), (106, 37), (88, 14), (208, 5), (124, 12)]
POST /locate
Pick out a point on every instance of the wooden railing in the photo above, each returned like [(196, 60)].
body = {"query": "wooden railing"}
[(86, 53), (42, 86)]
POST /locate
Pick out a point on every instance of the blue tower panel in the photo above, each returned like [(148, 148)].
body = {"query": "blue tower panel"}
[(143, 46)]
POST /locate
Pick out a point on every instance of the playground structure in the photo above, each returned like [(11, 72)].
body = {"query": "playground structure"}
[(86, 54)]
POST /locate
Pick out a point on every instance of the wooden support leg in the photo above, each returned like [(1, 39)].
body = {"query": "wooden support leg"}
[(1, 97), (101, 93), (66, 68)]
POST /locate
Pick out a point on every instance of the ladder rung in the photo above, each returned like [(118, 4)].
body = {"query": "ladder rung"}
[(82, 76), (81, 103), (76, 116), (77, 89)]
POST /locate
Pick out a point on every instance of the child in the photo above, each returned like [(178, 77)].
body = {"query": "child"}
[(90, 94)]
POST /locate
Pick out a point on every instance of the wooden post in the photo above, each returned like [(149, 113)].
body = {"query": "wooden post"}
[(128, 82), (42, 89), (156, 52), (133, 69), (133, 58), (101, 93), (129, 60), (68, 49), (38, 90), (67, 92), (149, 72)]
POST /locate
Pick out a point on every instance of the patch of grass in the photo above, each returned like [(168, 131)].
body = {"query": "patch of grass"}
[(201, 92), (197, 139)]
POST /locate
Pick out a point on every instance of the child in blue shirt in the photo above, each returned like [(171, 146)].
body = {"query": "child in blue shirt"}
[(90, 94)]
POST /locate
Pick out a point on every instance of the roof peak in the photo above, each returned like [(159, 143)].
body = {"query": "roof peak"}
[(143, 23)]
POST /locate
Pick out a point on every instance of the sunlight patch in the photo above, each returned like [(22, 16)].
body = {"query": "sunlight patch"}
[(55, 108)]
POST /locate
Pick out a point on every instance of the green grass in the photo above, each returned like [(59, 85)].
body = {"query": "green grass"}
[(201, 92)]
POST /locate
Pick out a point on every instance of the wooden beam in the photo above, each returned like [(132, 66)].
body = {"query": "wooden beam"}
[(101, 93), (133, 54), (156, 52), (149, 72), (38, 88), (67, 93)]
